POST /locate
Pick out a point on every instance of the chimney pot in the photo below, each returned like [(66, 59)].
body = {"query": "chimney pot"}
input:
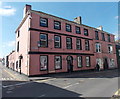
[(26, 8), (78, 20)]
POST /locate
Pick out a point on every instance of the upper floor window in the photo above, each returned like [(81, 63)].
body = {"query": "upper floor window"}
[(18, 46), (87, 61), (57, 25), (103, 37), (79, 60), (68, 28), (86, 32), (18, 33), (98, 47), (96, 35), (58, 62), (78, 44), (110, 48), (87, 45), (44, 22), (77, 30), (108, 37), (69, 43), (43, 40), (43, 62), (57, 41)]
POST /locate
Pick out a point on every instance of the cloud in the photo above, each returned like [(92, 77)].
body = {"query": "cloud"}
[(7, 11), (116, 17), (9, 44)]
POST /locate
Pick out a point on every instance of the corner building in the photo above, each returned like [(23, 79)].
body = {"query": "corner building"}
[(49, 44)]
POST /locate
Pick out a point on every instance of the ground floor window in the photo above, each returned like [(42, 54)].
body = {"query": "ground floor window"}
[(87, 61), (79, 60), (111, 63), (58, 62), (99, 62), (16, 64), (43, 62)]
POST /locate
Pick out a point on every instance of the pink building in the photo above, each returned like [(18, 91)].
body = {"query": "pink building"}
[(49, 44)]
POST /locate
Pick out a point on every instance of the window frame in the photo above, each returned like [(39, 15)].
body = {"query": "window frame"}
[(86, 61), (68, 30), (98, 50), (59, 41), (18, 44), (46, 63), (46, 22), (87, 32), (108, 36), (80, 45), (71, 42), (96, 35), (59, 25), (46, 40), (103, 36), (81, 62), (60, 62), (77, 32), (88, 45), (111, 47)]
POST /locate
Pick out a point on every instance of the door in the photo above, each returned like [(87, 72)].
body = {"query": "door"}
[(105, 64), (70, 63)]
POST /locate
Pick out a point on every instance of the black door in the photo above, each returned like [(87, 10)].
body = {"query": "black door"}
[(70, 63), (105, 64)]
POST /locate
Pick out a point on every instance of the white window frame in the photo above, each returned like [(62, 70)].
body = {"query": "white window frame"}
[(69, 43), (43, 21), (68, 27), (111, 62), (87, 45), (87, 58), (43, 62), (57, 24), (110, 48), (98, 47), (59, 42), (78, 43), (45, 40), (58, 64), (79, 61)]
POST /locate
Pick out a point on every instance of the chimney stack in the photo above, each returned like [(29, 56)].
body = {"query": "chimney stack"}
[(78, 20), (26, 8), (100, 28)]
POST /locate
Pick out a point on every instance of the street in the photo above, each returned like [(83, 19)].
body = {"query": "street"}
[(89, 84)]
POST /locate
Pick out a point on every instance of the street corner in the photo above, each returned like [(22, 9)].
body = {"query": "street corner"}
[(116, 95)]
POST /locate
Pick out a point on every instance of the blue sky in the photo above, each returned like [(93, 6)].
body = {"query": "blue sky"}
[(93, 14)]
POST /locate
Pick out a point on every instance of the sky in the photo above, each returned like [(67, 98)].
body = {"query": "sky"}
[(93, 14)]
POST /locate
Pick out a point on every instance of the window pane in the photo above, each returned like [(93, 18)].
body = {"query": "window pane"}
[(43, 40), (57, 42), (58, 62), (86, 32), (69, 43), (43, 22), (57, 25), (43, 62), (77, 30), (68, 27), (79, 61), (87, 61)]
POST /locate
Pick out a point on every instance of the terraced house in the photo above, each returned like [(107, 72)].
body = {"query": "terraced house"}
[(50, 44)]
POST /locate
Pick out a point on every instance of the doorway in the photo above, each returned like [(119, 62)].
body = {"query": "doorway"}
[(69, 63), (105, 64)]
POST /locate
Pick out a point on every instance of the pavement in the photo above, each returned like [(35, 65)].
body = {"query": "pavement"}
[(76, 84)]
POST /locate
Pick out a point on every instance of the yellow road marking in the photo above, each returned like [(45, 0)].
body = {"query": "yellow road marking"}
[(45, 80), (117, 92), (9, 73)]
